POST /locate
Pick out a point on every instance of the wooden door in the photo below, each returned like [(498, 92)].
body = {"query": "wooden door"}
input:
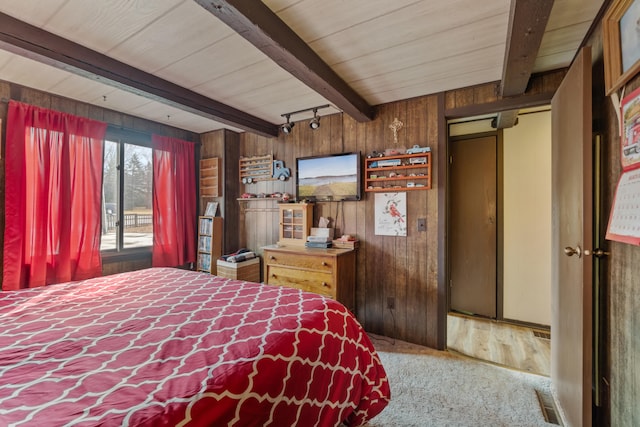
[(571, 287), (472, 219)]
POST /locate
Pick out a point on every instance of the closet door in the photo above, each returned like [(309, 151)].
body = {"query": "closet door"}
[(473, 226)]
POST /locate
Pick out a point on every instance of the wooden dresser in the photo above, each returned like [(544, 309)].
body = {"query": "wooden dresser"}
[(330, 272)]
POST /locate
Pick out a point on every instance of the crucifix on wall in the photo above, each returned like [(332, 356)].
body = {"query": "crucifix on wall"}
[(395, 126)]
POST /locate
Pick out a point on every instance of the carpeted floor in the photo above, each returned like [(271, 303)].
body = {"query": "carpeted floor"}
[(434, 388)]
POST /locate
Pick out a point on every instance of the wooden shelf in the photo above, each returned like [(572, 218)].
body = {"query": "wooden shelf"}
[(257, 168), (210, 177), (209, 243), (381, 173)]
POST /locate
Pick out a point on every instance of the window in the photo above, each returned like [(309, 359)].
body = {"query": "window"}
[(127, 206)]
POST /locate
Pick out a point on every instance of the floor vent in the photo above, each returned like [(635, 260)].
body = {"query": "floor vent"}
[(542, 334), (548, 407)]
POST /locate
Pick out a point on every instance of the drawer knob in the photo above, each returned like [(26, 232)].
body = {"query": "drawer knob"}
[(325, 284), (272, 257), (324, 263), (273, 276)]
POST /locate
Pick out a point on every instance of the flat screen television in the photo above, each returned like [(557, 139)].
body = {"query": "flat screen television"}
[(330, 177)]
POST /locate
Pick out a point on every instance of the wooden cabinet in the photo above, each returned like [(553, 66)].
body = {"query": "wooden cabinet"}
[(209, 177), (330, 272), (404, 172), (209, 243), (296, 220)]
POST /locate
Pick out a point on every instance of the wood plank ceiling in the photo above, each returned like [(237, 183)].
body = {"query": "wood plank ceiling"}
[(192, 64)]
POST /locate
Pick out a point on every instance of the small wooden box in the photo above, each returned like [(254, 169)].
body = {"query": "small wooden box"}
[(248, 270)]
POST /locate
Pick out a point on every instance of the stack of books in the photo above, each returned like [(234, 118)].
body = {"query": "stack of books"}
[(318, 242), (346, 243)]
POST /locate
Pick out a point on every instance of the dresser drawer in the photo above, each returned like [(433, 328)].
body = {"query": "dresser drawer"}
[(320, 263), (317, 282), (330, 272)]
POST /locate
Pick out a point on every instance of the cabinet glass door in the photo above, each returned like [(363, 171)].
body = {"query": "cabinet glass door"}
[(287, 224)]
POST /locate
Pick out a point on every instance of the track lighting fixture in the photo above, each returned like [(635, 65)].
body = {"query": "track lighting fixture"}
[(287, 127), (313, 124)]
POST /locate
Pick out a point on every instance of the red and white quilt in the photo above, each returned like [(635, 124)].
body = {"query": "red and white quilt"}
[(169, 347)]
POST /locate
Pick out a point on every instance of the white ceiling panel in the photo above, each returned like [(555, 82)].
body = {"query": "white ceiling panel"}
[(32, 12), (30, 73), (481, 69), (385, 50), (214, 63), (169, 115), (569, 22), (422, 53), (102, 25), (414, 23), (180, 33)]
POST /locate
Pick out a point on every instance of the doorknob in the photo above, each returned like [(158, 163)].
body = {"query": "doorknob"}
[(569, 251), (598, 253)]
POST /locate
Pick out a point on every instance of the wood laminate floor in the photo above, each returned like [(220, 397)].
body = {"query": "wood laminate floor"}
[(502, 343)]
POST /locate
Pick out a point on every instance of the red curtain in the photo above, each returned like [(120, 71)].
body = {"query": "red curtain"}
[(174, 202), (53, 184)]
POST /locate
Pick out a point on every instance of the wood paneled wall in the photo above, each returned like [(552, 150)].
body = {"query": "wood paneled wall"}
[(403, 268), (622, 290), (411, 269), (46, 100), (225, 145)]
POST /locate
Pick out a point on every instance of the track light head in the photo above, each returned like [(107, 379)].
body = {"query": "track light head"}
[(315, 122), (287, 127)]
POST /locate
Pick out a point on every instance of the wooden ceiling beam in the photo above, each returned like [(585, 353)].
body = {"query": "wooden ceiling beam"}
[(32, 42), (500, 106), (258, 24), (527, 22)]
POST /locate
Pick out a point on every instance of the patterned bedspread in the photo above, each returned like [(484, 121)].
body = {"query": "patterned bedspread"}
[(169, 347)]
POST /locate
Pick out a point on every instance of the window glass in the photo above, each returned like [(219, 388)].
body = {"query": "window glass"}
[(138, 210), (127, 196), (110, 190)]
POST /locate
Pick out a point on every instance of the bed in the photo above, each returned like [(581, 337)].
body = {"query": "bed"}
[(170, 347)]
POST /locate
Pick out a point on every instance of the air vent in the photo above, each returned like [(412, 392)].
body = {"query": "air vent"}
[(548, 407), (542, 334)]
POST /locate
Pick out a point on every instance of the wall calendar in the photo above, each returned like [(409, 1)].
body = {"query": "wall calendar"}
[(624, 221)]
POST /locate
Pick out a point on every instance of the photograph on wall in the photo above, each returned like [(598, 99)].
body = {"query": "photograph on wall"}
[(391, 214), (630, 36)]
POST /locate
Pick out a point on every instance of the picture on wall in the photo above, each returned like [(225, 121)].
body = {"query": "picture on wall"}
[(621, 43), (391, 214), (630, 36), (212, 208)]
